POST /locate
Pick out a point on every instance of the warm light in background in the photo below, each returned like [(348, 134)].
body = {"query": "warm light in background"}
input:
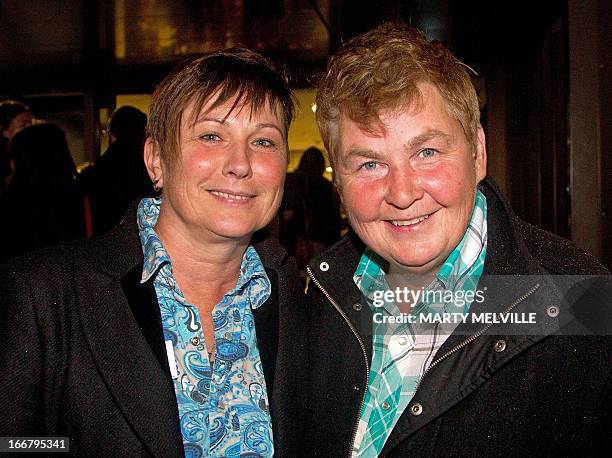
[(160, 30)]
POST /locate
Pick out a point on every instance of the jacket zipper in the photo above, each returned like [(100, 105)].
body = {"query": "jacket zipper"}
[(473, 337), (431, 366), (363, 350)]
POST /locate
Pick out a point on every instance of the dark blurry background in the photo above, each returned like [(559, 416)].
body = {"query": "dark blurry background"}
[(543, 77)]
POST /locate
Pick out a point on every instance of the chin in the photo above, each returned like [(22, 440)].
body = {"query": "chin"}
[(237, 233), (423, 263)]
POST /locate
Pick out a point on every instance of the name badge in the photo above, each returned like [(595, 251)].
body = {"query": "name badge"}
[(171, 359)]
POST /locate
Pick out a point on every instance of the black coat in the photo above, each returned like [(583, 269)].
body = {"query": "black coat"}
[(499, 391), (83, 350)]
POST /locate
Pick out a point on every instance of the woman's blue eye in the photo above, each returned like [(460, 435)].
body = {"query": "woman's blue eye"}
[(370, 165), (264, 142), (210, 137), (428, 152)]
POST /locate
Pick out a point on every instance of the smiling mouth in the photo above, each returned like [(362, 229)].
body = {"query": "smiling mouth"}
[(232, 197), (410, 222)]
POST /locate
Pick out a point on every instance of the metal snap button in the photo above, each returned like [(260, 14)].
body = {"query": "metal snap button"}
[(403, 340), (552, 311), (416, 409), (500, 346), (385, 405), (357, 306), (195, 341), (324, 266)]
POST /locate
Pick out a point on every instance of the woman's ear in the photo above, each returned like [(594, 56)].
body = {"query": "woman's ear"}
[(152, 161), (480, 156)]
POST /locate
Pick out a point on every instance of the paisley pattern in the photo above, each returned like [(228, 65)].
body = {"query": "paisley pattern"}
[(223, 409)]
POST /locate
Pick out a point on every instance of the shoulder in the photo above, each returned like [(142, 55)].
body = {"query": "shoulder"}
[(556, 254), (38, 283), (281, 268), (333, 269), (270, 251), (346, 252), (115, 253), (53, 261), (519, 241)]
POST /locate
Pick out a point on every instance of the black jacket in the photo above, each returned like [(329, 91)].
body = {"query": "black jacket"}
[(490, 391), (83, 351)]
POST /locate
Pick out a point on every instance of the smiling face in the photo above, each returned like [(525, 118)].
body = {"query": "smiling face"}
[(229, 179), (409, 188)]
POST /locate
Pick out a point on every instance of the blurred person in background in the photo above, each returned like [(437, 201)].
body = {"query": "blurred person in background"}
[(43, 204), (310, 211), (181, 331), (14, 116), (119, 176)]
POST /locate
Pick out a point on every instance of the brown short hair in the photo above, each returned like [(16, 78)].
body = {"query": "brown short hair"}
[(380, 70), (236, 72)]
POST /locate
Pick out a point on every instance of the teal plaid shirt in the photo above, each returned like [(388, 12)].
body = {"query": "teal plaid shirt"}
[(402, 353)]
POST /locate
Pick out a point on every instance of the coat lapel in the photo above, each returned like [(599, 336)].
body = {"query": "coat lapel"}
[(122, 325), (266, 326), (144, 306)]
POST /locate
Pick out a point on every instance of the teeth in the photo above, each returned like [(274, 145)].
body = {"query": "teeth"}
[(229, 196), (409, 222)]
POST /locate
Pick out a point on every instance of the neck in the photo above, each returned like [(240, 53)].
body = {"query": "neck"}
[(406, 281), (204, 269), (400, 276)]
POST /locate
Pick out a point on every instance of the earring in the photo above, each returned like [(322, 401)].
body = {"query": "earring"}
[(157, 189)]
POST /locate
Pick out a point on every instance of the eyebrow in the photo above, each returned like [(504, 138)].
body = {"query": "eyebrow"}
[(269, 124), (413, 143), (362, 152), (431, 134), (217, 120), (223, 121)]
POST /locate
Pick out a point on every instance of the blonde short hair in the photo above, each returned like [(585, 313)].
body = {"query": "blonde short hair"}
[(380, 70)]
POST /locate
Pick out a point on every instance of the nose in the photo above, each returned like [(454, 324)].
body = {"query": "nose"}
[(403, 187), (238, 162)]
